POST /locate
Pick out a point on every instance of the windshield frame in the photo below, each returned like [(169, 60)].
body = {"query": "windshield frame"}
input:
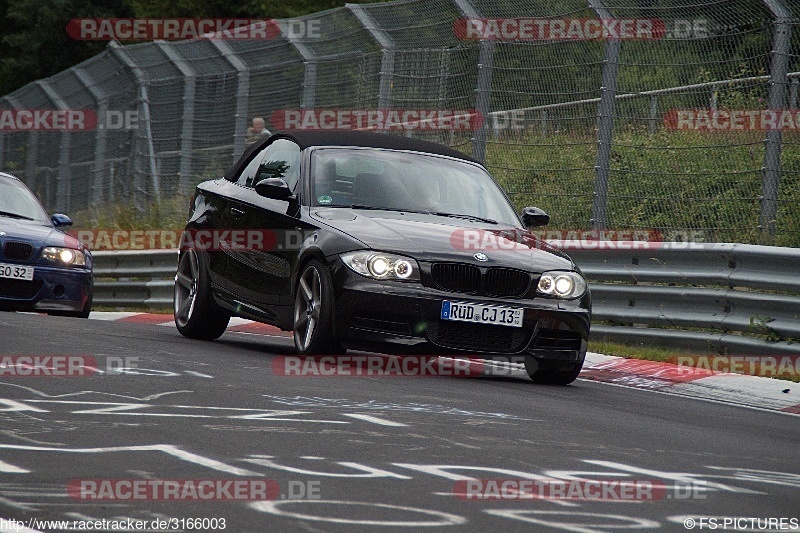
[(512, 220)]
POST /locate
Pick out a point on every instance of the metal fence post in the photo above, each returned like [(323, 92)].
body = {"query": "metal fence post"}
[(605, 122), (387, 53), (145, 133), (652, 122), (310, 69), (781, 48), (242, 94), (64, 178), (100, 135), (187, 124), (483, 98), (483, 89)]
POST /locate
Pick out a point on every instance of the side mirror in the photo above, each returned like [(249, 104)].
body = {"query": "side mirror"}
[(533, 217), (61, 221), (274, 188)]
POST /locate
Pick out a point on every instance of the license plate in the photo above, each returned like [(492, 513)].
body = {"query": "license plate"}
[(16, 272), (482, 314)]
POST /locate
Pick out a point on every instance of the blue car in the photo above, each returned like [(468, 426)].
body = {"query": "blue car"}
[(41, 268)]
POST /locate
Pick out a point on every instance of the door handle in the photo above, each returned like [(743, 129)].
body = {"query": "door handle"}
[(237, 213)]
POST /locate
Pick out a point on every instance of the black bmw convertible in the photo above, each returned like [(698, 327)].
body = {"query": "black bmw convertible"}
[(372, 241)]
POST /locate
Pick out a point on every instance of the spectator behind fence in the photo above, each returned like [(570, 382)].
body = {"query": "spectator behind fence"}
[(257, 130)]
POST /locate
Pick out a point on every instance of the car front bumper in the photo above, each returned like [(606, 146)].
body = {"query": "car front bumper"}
[(52, 289), (406, 316)]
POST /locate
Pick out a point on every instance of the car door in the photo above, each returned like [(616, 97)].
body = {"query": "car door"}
[(260, 254)]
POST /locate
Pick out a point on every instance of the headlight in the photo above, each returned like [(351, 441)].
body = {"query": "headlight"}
[(566, 285), (64, 256), (379, 265)]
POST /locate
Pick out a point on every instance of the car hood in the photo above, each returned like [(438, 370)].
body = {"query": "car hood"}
[(434, 238), (36, 233)]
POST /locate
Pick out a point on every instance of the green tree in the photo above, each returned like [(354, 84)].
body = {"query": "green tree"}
[(33, 38), (225, 8), (34, 43)]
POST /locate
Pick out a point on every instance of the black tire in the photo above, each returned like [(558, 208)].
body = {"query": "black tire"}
[(313, 312), (196, 314), (552, 372)]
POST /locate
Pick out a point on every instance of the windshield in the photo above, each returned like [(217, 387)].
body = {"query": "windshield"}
[(16, 201), (371, 178)]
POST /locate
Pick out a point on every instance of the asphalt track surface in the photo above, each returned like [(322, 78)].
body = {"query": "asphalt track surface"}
[(365, 453)]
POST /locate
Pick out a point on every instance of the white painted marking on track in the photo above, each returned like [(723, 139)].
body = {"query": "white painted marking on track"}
[(444, 472), (80, 393), (17, 505), (237, 321), (198, 374), (364, 470), (14, 435), (562, 503), (7, 468), (686, 479), (111, 315), (375, 420), (442, 519), (139, 409), (168, 449), (460, 444), (16, 407), (559, 520)]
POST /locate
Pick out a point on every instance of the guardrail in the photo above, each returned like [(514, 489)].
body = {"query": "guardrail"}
[(135, 278), (721, 298)]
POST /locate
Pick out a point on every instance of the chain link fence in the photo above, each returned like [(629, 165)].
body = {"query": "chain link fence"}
[(672, 116)]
